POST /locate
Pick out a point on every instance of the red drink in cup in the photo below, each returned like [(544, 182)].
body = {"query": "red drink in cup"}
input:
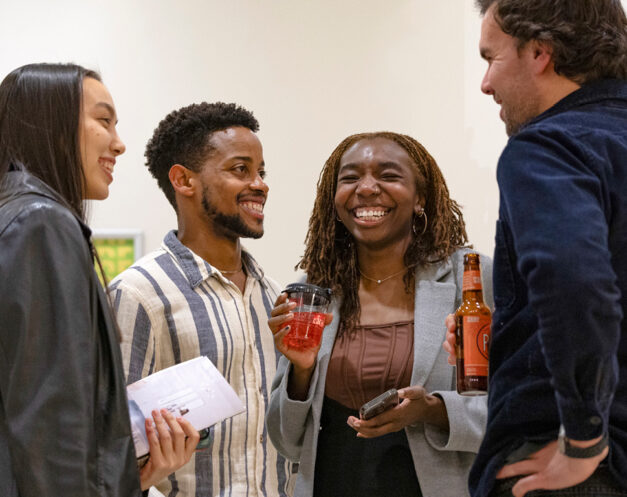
[(311, 305), (305, 330)]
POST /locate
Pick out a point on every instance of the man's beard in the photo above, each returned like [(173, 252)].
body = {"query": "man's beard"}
[(512, 127), (519, 113), (230, 225)]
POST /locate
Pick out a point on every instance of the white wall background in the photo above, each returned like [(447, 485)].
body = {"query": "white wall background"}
[(311, 71)]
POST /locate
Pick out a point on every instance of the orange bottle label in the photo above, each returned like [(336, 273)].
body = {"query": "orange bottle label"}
[(471, 280), (476, 344)]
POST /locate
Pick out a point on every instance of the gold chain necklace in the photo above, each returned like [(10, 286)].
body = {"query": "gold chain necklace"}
[(230, 272), (378, 282)]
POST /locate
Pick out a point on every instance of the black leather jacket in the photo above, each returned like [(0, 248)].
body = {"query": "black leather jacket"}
[(64, 426)]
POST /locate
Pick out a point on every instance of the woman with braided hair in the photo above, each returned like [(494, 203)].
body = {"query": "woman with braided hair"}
[(386, 237)]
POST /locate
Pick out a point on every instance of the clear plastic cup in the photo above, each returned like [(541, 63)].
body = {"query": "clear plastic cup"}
[(312, 303)]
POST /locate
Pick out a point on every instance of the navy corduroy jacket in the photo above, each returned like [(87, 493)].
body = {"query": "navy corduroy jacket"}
[(559, 332)]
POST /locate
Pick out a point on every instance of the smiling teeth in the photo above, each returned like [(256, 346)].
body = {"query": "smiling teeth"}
[(364, 213), (253, 206)]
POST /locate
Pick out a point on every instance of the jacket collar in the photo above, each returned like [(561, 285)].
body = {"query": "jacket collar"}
[(18, 182), (196, 269), (589, 93)]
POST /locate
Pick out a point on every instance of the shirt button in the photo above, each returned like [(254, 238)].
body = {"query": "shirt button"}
[(260, 439), (595, 420)]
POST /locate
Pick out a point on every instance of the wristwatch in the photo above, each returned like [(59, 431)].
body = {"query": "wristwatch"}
[(565, 447)]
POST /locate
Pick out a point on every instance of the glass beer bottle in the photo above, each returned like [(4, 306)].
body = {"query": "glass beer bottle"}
[(472, 336)]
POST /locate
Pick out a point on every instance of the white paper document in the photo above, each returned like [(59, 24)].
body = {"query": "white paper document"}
[(194, 390)]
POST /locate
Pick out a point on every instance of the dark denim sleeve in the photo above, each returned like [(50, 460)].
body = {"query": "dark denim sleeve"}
[(555, 198)]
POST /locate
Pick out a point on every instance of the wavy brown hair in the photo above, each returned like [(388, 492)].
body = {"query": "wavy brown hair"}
[(330, 258), (588, 37)]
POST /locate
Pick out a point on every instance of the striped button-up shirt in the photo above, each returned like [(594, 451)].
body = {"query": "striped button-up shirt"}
[(173, 306)]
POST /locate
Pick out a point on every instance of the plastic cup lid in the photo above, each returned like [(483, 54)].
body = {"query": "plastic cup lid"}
[(308, 288)]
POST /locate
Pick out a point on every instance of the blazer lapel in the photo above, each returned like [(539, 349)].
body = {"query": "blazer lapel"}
[(328, 338), (434, 299)]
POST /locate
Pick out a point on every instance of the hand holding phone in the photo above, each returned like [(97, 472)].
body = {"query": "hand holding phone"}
[(379, 404), (206, 437)]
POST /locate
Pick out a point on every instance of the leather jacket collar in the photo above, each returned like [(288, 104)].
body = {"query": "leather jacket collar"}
[(18, 182)]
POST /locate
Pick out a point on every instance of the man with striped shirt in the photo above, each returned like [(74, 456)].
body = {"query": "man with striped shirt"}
[(201, 293)]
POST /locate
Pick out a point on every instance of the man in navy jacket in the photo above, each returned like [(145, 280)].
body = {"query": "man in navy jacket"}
[(558, 359)]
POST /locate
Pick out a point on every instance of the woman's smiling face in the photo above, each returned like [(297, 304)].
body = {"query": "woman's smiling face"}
[(376, 195), (99, 141)]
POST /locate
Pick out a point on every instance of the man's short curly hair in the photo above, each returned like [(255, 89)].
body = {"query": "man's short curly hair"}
[(588, 37), (184, 137)]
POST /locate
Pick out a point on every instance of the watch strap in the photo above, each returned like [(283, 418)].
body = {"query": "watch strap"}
[(569, 450)]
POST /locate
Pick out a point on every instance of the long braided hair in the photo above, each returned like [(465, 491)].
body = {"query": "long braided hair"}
[(330, 258)]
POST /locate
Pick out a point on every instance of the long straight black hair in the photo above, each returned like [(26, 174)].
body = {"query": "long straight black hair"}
[(40, 114), (40, 108)]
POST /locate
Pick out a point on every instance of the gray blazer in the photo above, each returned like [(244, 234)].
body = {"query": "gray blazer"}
[(442, 460)]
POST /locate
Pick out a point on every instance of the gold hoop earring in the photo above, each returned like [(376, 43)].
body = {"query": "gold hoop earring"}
[(421, 214)]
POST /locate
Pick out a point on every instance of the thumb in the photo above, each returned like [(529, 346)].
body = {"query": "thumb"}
[(450, 323), (527, 484), (411, 393)]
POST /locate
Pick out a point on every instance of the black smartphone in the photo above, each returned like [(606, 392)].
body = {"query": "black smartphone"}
[(206, 437), (379, 404)]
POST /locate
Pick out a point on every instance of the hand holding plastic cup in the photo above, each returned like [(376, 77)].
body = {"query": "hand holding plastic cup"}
[(312, 303)]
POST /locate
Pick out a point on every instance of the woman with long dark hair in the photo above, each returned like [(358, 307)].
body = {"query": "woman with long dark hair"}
[(389, 241), (64, 424)]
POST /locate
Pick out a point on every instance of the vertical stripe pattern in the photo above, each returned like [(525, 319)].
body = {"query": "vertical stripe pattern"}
[(173, 306)]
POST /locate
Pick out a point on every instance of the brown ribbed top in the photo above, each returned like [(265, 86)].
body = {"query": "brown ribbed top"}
[(369, 360)]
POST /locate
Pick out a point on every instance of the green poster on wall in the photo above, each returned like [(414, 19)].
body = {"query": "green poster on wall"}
[(117, 250)]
